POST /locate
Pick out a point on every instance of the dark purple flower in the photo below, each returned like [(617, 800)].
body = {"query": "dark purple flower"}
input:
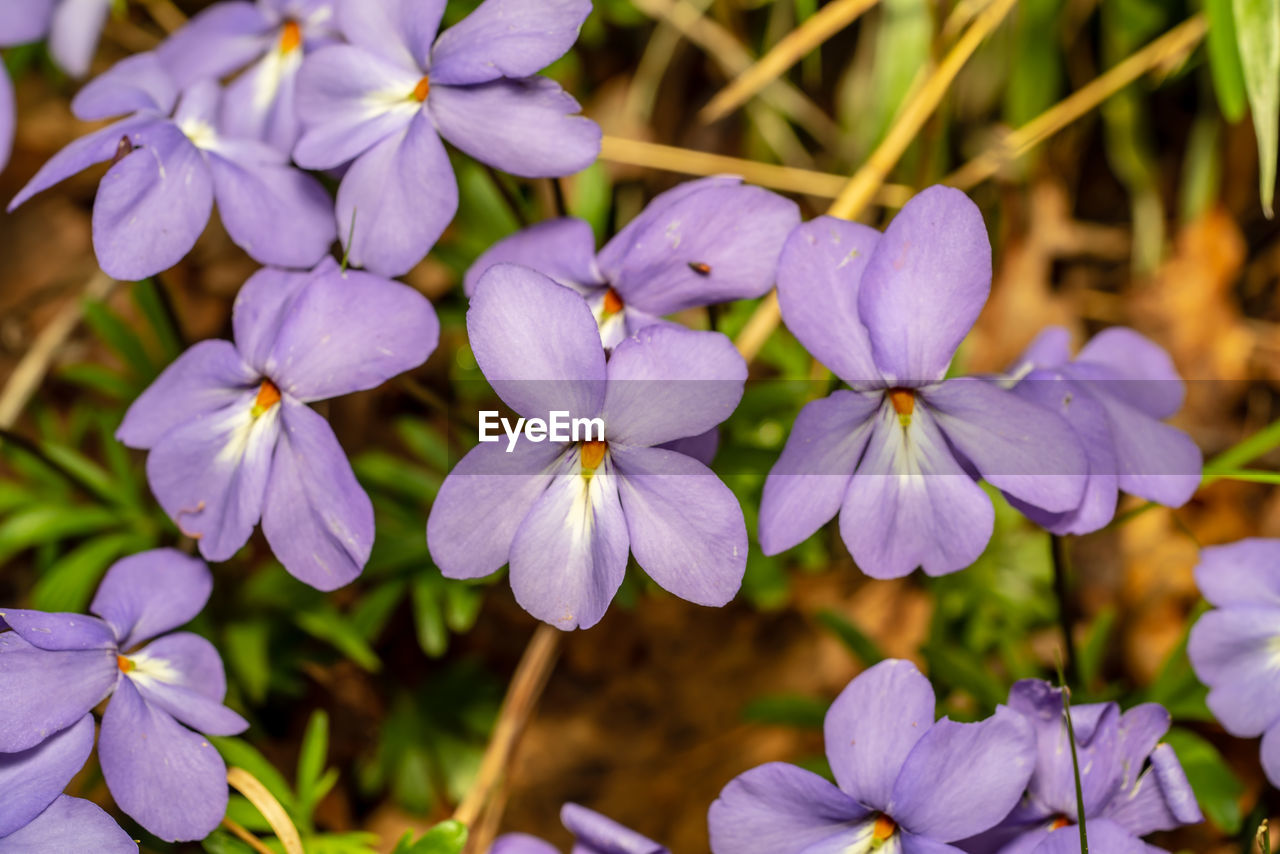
[(267, 38), (1114, 394), (593, 834), (904, 784), (165, 689), (704, 242), (231, 436), (170, 163), (385, 100), (1235, 648), (1131, 784), (566, 514), (898, 455)]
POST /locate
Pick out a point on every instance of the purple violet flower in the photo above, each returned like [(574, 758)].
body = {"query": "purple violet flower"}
[(231, 436), (593, 832), (898, 455), (564, 515), (1114, 394), (268, 39), (165, 689), (73, 28), (704, 242), (1124, 797), (385, 100), (1235, 648), (168, 168), (35, 817), (904, 784)]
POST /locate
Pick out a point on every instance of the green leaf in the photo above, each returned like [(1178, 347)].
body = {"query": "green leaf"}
[(153, 305), (68, 585), (45, 523), (1258, 35), (117, 335), (328, 624), (1224, 59), (851, 636), (240, 753), (1216, 787), (793, 710), (1093, 652), (311, 761), (222, 842), (246, 647), (448, 837)]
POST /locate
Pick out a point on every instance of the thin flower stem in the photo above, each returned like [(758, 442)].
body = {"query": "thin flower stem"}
[(862, 188), (258, 794), (1247, 476), (246, 837), (517, 708), (829, 20), (1075, 768), (1066, 610), (1161, 53), (1243, 452), (30, 372)]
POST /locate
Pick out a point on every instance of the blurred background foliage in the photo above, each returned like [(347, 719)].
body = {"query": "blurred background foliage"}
[(371, 707)]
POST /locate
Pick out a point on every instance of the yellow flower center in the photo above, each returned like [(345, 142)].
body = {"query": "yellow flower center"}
[(423, 88), (124, 664), (268, 396), (290, 36)]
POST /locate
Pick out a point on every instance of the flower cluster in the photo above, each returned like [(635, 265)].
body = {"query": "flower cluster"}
[(164, 692)]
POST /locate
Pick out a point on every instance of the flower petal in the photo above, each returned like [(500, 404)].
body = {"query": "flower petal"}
[(961, 779), (8, 118), (911, 504), (507, 38), (145, 595), (348, 332), (166, 777), (702, 250), (667, 382), (75, 31), (89, 150), (519, 843), (1141, 729), (614, 253), (686, 526), (779, 809), (570, 553), (397, 199), (152, 205), (482, 503), (223, 38), (1156, 461), (702, 447), (1270, 753), (42, 693), (70, 824), (1234, 652), (527, 127), (278, 214), (1149, 379), (59, 632), (536, 343), (1103, 836), (872, 726), (210, 474), (1024, 449), (925, 284), (24, 21), (563, 249), (202, 380), (1244, 573), (317, 518), (596, 832), (1050, 349), (262, 305), (182, 674), (912, 844), (138, 83), (808, 483), (261, 103), (33, 779), (401, 30), (819, 276)]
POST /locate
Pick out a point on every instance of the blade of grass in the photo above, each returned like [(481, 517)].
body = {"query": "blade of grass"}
[(1075, 761)]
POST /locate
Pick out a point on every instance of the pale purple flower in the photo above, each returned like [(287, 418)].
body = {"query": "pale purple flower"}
[(385, 100), (905, 784), (73, 28), (268, 39), (170, 163), (1130, 783), (165, 688), (898, 456), (1114, 394), (593, 834), (1235, 648), (69, 824), (231, 436), (565, 515), (704, 242)]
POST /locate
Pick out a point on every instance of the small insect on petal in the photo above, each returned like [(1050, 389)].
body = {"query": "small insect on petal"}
[(268, 396), (700, 268), (423, 88), (290, 36), (123, 150), (612, 302)]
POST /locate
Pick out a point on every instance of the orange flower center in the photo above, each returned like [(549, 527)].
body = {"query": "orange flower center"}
[(124, 664), (290, 36), (612, 302), (592, 455), (903, 400), (268, 396), (884, 828), (1059, 823), (423, 88)]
